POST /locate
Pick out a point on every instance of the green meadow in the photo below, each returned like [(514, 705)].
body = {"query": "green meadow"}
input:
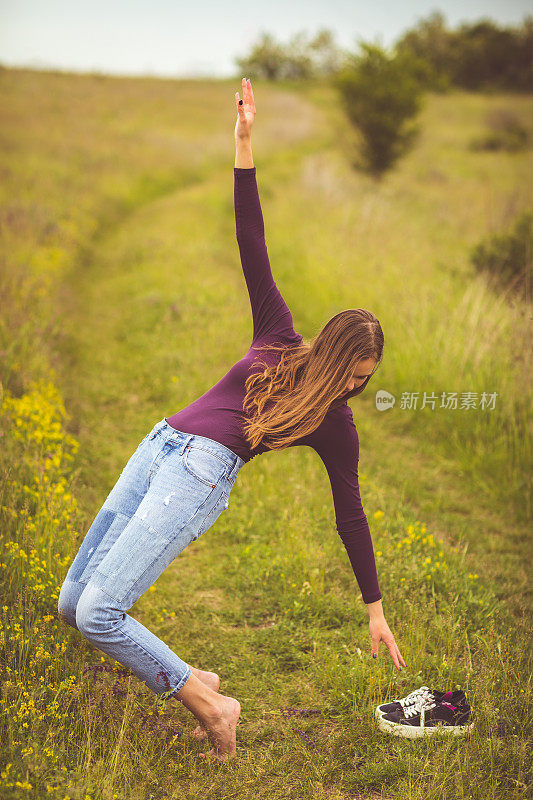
[(122, 300)]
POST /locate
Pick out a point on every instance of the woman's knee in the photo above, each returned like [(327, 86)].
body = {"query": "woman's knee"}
[(67, 602), (94, 615)]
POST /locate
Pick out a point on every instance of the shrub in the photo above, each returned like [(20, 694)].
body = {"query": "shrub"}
[(506, 132), (508, 257), (381, 95)]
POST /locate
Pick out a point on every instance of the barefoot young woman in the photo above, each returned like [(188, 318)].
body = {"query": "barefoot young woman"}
[(282, 393)]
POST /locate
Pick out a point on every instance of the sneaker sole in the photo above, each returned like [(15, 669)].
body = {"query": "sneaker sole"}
[(411, 732)]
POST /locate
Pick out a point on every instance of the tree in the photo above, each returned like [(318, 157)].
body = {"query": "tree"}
[(326, 56), (381, 95), (475, 56), (485, 56), (265, 60), (298, 62), (300, 59), (432, 42)]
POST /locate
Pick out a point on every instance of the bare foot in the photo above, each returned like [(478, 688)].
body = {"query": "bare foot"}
[(212, 680), (221, 730)]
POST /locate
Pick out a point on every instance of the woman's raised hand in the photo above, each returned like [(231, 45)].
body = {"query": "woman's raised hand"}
[(245, 112)]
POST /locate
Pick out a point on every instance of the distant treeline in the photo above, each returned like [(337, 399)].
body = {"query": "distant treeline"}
[(475, 56)]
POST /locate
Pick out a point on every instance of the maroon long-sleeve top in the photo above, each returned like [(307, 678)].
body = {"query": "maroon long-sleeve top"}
[(218, 414)]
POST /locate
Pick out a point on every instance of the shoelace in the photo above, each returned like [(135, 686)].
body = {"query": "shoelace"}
[(424, 693), (420, 706)]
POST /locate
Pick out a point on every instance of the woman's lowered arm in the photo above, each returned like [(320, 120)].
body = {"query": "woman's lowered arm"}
[(340, 453)]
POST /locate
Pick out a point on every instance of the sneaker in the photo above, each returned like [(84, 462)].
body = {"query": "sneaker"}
[(403, 702), (424, 717), (424, 693)]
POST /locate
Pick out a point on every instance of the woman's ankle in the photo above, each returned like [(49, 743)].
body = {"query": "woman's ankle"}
[(202, 701)]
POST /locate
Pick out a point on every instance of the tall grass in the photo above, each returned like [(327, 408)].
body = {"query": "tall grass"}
[(119, 272)]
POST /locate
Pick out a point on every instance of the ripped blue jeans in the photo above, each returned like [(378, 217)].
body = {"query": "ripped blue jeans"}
[(173, 488)]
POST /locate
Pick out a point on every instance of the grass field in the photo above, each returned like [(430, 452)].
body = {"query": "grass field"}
[(123, 300)]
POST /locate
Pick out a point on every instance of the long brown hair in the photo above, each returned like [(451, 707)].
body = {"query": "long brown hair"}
[(290, 399)]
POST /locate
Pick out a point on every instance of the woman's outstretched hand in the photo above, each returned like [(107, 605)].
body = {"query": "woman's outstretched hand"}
[(245, 112), (380, 631)]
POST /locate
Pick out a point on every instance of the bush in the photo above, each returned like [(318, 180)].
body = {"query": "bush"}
[(506, 132), (381, 95), (508, 257)]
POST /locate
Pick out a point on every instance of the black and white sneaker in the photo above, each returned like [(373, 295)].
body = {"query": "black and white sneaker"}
[(426, 717), (403, 702), (424, 693)]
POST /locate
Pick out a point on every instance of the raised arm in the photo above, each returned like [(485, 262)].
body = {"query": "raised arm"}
[(271, 315)]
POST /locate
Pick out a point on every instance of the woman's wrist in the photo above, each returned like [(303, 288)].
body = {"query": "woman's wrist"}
[(243, 152), (375, 609)]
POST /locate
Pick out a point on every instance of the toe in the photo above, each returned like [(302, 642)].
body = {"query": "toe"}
[(200, 732), (214, 756)]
